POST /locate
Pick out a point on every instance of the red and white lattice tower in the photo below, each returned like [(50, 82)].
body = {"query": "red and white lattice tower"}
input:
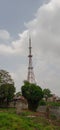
[(31, 77)]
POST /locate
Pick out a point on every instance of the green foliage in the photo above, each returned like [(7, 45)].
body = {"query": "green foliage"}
[(7, 88), (5, 77), (47, 93), (11, 121), (53, 103), (49, 128), (33, 93), (6, 94), (42, 103), (53, 117)]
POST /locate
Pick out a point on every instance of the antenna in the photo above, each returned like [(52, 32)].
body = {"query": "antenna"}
[(31, 77)]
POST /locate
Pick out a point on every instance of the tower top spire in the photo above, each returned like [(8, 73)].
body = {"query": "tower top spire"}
[(29, 41), (30, 54)]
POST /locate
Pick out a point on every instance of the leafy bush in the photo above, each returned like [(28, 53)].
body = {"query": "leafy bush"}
[(53, 103), (42, 103)]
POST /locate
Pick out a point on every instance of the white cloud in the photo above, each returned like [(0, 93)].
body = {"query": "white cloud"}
[(4, 49), (46, 26), (19, 76), (4, 35), (15, 47)]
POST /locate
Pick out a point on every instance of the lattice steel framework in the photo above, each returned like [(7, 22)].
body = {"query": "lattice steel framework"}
[(31, 76)]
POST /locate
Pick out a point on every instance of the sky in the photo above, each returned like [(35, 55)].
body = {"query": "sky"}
[(40, 18)]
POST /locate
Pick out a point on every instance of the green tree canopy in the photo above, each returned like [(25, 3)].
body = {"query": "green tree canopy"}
[(5, 77), (33, 93), (47, 93), (7, 88)]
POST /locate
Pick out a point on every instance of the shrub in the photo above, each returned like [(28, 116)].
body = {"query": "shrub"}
[(42, 103)]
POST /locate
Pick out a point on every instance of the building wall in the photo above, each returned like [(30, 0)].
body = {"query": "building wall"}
[(53, 110)]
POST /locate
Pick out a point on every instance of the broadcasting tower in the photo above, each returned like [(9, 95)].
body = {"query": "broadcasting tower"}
[(31, 77)]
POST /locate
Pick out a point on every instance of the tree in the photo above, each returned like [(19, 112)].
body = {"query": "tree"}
[(5, 77), (47, 93), (7, 88), (33, 93)]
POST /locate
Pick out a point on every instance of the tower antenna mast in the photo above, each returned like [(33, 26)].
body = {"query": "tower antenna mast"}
[(31, 77)]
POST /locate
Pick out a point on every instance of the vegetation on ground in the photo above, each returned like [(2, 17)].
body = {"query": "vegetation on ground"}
[(11, 121)]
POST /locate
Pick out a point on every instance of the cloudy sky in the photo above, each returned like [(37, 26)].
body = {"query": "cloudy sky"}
[(42, 19)]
